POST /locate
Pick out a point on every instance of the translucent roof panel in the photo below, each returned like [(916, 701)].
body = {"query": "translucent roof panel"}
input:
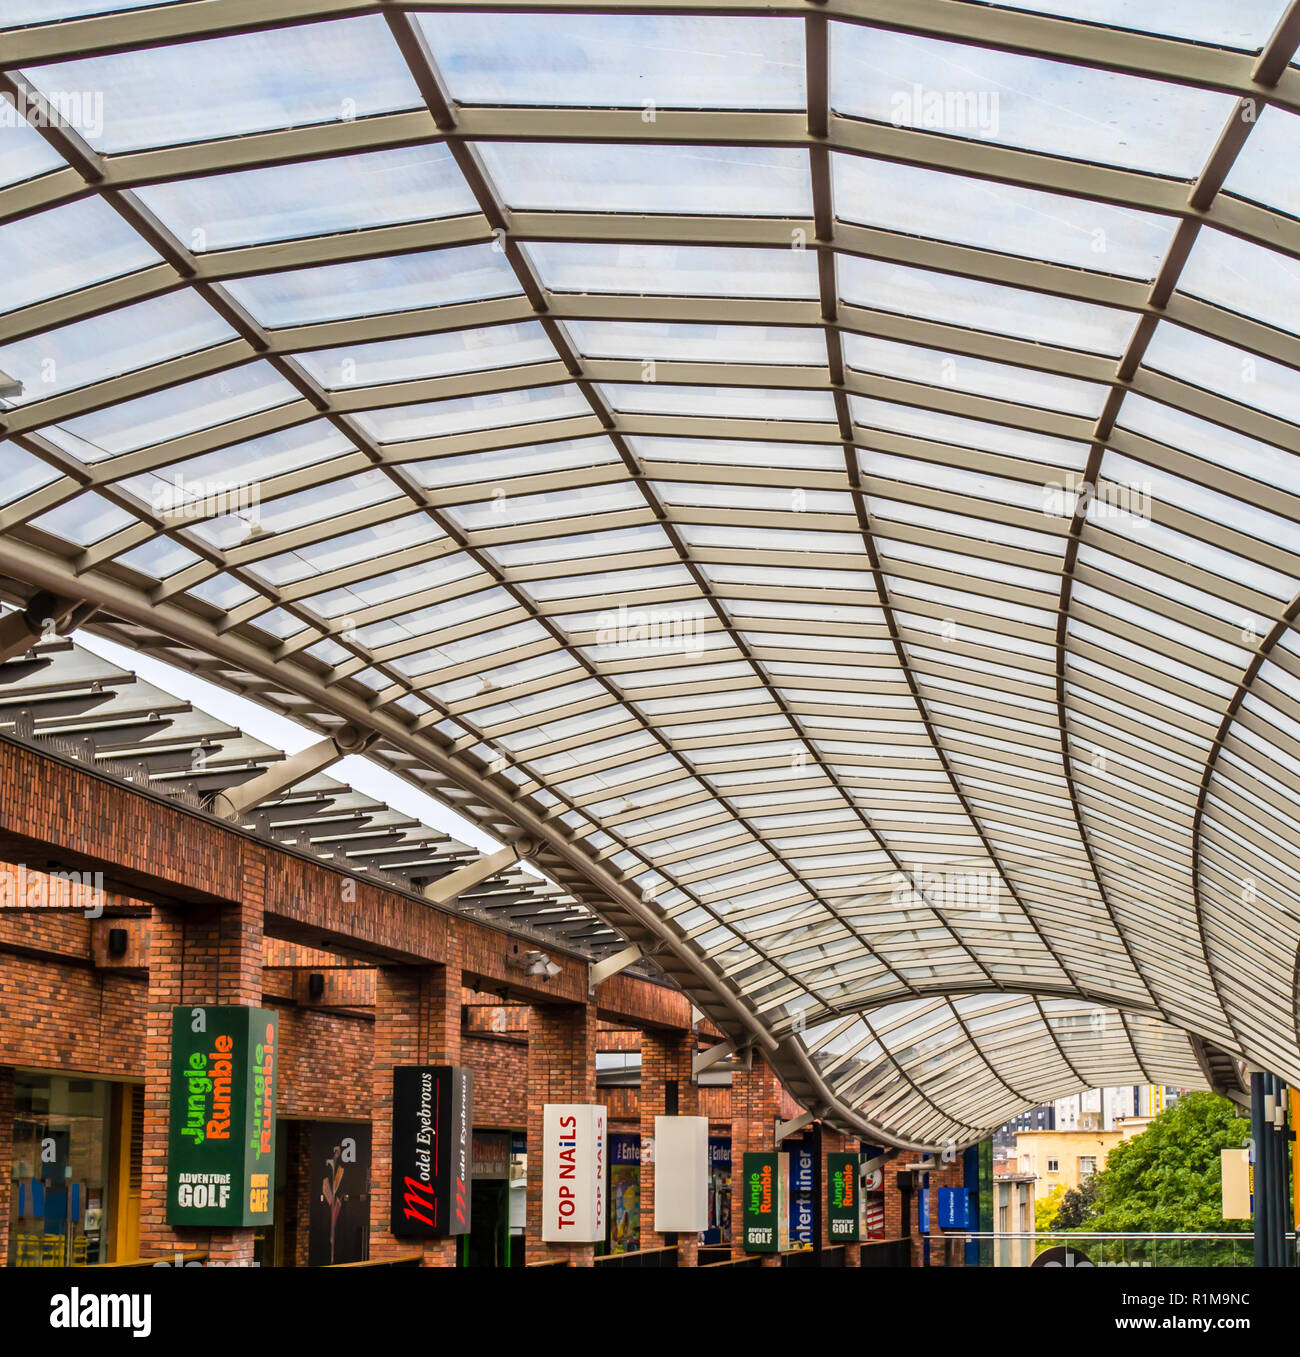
[(829, 481)]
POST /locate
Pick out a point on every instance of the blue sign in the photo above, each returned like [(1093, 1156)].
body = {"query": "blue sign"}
[(801, 1220), (923, 1210), (954, 1208), (624, 1148), (720, 1151), (801, 1168)]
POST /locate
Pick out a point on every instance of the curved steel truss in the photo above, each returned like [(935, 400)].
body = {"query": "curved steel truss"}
[(827, 476)]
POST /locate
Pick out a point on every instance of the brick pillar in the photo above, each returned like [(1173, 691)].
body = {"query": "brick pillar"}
[(6, 1155), (417, 1022), (203, 955), (665, 1057), (299, 1190), (561, 1069), (755, 1105)]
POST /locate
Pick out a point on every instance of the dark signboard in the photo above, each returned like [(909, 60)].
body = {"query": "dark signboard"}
[(765, 1204), (624, 1147), (338, 1226), (221, 1147), (954, 1208), (432, 1118), (843, 1199)]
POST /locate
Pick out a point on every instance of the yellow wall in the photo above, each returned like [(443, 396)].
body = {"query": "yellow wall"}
[(1035, 1148)]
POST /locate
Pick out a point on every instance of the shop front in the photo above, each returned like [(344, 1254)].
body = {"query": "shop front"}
[(74, 1191)]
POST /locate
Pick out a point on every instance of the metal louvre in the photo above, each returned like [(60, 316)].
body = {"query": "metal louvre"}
[(853, 535)]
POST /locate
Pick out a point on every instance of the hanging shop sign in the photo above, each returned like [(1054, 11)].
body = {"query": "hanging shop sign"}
[(801, 1218), (682, 1174), (801, 1168), (765, 1204), (720, 1152), (221, 1144), (624, 1147), (338, 1222), (923, 1211), (844, 1212), (574, 1162), (954, 1208), (1238, 1184), (432, 1117)]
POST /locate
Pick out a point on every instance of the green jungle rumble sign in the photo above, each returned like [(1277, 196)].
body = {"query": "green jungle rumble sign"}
[(843, 1199), (221, 1146), (765, 1216)]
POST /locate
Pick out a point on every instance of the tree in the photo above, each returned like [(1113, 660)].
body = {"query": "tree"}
[(1076, 1203), (1169, 1177), (1045, 1208)]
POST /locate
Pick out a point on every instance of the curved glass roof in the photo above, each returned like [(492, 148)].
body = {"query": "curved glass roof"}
[(829, 477)]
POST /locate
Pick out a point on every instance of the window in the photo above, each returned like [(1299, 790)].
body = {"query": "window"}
[(1053, 1166), (1087, 1166)]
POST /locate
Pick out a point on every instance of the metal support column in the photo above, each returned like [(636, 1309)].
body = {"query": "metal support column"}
[(1258, 1154)]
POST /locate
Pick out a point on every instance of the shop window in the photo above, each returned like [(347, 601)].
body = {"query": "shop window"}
[(58, 1198)]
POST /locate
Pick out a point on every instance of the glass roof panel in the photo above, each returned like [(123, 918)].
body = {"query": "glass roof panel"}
[(559, 177), (1244, 277), (1254, 175), (315, 198), (122, 341), (24, 153), (172, 412), (619, 60), (1245, 24), (52, 253), (984, 306), (675, 270), (373, 286), (231, 86), (699, 343), (1015, 100), (966, 211), (424, 356)]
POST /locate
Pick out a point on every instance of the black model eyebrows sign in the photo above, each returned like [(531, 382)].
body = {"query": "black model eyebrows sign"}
[(432, 1120)]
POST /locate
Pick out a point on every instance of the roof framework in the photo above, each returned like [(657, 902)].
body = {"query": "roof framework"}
[(825, 472)]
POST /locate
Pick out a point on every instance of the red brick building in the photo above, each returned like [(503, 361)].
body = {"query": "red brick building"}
[(174, 906)]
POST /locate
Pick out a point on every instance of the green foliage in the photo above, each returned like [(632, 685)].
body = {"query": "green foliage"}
[(1045, 1208), (1168, 1178), (1076, 1204)]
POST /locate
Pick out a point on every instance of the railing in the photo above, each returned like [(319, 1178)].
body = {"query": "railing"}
[(1092, 1248), (162, 1260), (414, 1259), (549, 1262)]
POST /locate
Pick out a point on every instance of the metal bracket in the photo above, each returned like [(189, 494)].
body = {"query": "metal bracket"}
[(788, 1128), (702, 1060), (600, 971)]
